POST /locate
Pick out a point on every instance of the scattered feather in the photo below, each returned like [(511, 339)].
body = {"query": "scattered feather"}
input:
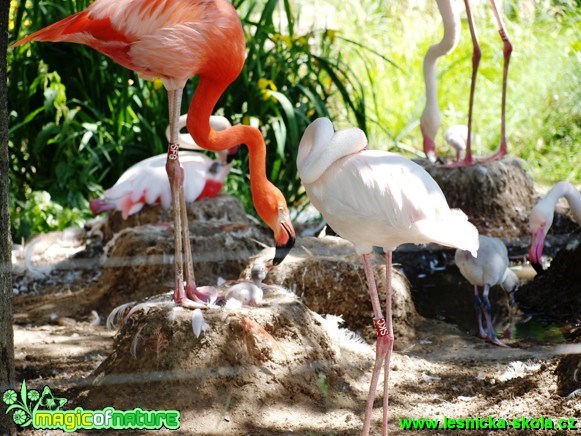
[(233, 304), (198, 323), (574, 394), (96, 318), (135, 343), (518, 369), (345, 338), (429, 378), (115, 318)]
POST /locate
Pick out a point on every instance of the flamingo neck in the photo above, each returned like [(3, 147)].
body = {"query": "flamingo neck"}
[(198, 123), (430, 119), (573, 197)]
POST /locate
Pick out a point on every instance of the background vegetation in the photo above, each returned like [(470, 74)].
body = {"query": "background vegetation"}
[(78, 120)]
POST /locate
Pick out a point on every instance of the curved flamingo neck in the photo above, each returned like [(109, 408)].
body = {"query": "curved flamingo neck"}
[(198, 123), (573, 197), (430, 119)]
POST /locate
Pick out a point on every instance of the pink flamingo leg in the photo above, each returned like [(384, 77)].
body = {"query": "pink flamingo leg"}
[(507, 50), (382, 347), (390, 339), (175, 173), (476, 55)]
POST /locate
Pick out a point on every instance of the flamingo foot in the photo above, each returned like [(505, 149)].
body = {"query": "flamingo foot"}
[(496, 156), (183, 301), (466, 162), (201, 294), (495, 341)]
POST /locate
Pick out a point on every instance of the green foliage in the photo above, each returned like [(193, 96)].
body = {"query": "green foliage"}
[(78, 120)]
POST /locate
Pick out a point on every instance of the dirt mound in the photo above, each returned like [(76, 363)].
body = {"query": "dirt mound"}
[(328, 276), (137, 262), (252, 359), (497, 197)]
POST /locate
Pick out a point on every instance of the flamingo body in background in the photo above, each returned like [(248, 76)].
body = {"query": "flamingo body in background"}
[(488, 268), (146, 182), (376, 198), (541, 218), (430, 119), (175, 40)]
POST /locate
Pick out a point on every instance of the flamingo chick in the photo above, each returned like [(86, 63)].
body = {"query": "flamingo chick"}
[(146, 182), (487, 269), (249, 292), (175, 40), (541, 218), (456, 137), (376, 198)]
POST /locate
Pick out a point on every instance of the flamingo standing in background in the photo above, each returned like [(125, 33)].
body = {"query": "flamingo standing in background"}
[(488, 268), (430, 119), (376, 198), (541, 218), (146, 182), (174, 40)]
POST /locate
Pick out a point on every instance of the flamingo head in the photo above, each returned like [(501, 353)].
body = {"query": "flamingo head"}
[(273, 210), (540, 221)]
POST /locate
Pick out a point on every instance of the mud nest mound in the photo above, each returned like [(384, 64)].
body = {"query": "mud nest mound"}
[(247, 362), (328, 276), (138, 259), (497, 197), (555, 292)]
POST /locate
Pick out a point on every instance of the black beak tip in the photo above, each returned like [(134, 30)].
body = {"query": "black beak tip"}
[(281, 251), (537, 267)]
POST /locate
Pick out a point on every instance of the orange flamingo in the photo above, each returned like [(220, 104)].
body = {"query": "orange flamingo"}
[(175, 40)]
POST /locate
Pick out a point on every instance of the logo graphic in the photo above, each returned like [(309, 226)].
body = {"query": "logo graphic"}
[(44, 411)]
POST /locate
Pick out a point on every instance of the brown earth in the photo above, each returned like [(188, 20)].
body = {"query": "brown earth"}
[(273, 369)]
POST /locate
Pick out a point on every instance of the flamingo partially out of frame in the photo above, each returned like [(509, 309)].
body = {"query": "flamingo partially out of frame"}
[(541, 218), (488, 268), (376, 198), (146, 182), (430, 118), (174, 40)]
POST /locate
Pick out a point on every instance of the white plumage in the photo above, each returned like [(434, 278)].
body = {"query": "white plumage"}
[(488, 268), (376, 198), (146, 182)]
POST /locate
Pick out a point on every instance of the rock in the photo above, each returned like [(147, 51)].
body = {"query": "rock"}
[(328, 276), (497, 197)]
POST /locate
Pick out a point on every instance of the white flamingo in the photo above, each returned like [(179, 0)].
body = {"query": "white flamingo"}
[(376, 198), (487, 269), (146, 182), (541, 218), (430, 119)]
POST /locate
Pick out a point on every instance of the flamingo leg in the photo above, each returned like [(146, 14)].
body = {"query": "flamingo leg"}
[(476, 55), (478, 307), (491, 337), (507, 50), (389, 322), (175, 173), (382, 347)]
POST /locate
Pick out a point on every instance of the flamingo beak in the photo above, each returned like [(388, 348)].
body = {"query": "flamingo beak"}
[(536, 250), (232, 152), (284, 242)]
